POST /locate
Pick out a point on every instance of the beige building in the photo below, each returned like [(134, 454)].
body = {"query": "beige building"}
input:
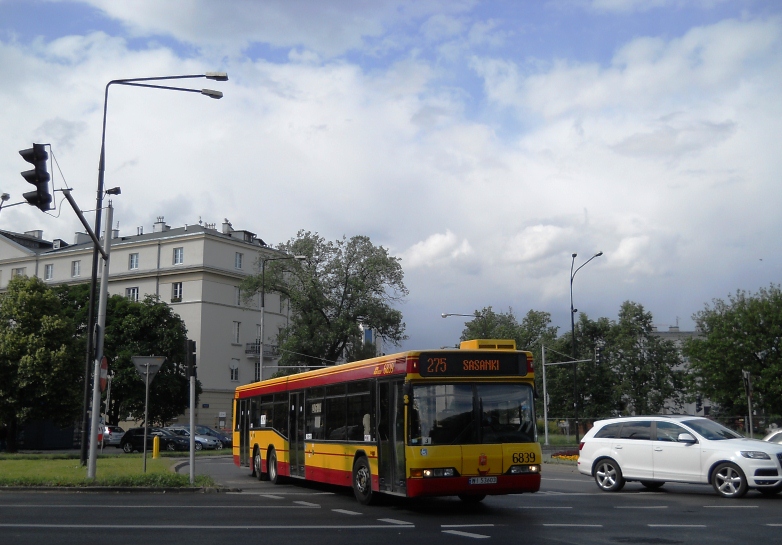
[(196, 269)]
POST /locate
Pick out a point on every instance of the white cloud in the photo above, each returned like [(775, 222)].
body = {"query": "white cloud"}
[(437, 250)]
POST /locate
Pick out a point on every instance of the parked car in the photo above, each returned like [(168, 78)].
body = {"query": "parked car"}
[(134, 440), (225, 440), (657, 449), (112, 436), (774, 437), (201, 441)]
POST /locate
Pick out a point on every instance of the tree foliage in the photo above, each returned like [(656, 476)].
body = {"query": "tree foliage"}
[(40, 367), (146, 328), (743, 333), (339, 285)]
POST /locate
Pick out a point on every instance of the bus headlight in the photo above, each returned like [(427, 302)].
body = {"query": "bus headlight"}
[(434, 472), (520, 469)]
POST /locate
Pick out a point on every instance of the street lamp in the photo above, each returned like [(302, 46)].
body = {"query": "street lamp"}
[(135, 82), (263, 299), (474, 316), (573, 334)]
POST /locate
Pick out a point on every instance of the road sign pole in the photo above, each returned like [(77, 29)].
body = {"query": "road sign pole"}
[(146, 415), (192, 428), (147, 367)]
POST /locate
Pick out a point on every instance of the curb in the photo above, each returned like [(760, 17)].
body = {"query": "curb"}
[(144, 489)]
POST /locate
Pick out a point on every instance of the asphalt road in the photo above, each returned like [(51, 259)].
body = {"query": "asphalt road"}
[(568, 509)]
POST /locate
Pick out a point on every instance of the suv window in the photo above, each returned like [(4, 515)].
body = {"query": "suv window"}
[(636, 430), (668, 431), (611, 431)]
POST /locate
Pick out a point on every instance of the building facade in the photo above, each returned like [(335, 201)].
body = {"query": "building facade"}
[(197, 269)]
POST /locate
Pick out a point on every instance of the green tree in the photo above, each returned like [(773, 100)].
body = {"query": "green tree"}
[(145, 328), (40, 367), (649, 370), (338, 286), (742, 334)]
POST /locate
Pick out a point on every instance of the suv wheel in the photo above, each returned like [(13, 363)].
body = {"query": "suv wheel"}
[(608, 476), (729, 481), (127, 447)]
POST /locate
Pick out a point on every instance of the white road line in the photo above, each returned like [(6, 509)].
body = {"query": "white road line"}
[(270, 496), (207, 527), (640, 507), (574, 525), (346, 512), (466, 525), (676, 525), (465, 534), (306, 503), (730, 506), (394, 521)]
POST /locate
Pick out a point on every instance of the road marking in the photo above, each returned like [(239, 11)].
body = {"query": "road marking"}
[(730, 506), (676, 525), (249, 493), (270, 496), (465, 534), (574, 525), (466, 525), (346, 512), (205, 527), (394, 521), (306, 504), (640, 507)]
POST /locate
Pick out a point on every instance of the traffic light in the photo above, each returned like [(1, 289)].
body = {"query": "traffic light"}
[(698, 404), (38, 176), (598, 353), (190, 357)]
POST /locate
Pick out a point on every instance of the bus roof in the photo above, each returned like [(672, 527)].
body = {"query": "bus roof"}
[(401, 363)]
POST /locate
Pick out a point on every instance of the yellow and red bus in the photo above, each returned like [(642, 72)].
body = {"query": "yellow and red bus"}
[(418, 423)]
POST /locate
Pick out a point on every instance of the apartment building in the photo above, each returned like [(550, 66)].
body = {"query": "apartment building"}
[(197, 270)]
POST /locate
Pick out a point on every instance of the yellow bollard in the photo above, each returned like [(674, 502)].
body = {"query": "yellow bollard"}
[(156, 447)]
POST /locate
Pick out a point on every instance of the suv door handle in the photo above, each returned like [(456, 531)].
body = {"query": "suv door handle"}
[(618, 447), (658, 449)]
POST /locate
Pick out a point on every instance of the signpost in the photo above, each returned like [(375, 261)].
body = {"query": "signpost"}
[(147, 367)]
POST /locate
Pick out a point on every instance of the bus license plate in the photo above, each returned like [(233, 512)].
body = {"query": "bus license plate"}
[(482, 480)]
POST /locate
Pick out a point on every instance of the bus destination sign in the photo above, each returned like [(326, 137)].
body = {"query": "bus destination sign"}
[(468, 364)]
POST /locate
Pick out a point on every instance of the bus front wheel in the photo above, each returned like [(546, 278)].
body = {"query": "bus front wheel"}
[(362, 481)]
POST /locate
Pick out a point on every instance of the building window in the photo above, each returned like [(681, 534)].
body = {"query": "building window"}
[(235, 332), (132, 294), (179, 256), (75, 268), (238, 260), (176, 292), (48, 272), (132, 261), (21, 271), (234, 370), (237, 296), (257, 371)]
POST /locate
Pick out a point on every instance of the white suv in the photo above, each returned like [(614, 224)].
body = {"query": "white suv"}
[(688, 449)]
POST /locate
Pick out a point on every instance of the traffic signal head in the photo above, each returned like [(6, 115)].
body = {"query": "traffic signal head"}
[(598, 353), (38, 176), (190, 357)]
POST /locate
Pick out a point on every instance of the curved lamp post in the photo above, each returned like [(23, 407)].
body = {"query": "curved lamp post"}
[(263, 297), (573, 334), (134, 82)]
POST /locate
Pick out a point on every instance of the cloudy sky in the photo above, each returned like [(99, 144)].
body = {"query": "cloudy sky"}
[(481, 142)]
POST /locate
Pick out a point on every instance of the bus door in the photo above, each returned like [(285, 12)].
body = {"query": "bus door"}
[(296, 434), (244, 431), (391, 436)]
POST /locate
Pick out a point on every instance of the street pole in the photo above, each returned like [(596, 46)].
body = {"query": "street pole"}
[(192, 428), (146, 413), (573, 335), (104, 289), (545, 395), (135, 82)]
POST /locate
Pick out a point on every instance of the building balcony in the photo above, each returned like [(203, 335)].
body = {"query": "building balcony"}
[(269, 350)]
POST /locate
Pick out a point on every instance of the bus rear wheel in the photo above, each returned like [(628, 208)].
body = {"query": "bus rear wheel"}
[(362, 481), (271, 467)]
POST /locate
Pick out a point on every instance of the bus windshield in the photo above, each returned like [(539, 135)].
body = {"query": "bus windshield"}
[(452, 414)]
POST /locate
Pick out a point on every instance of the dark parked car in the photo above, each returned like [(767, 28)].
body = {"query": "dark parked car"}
[(134, 440)]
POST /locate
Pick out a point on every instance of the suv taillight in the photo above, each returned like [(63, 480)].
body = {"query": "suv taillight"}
[(580, 445)]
